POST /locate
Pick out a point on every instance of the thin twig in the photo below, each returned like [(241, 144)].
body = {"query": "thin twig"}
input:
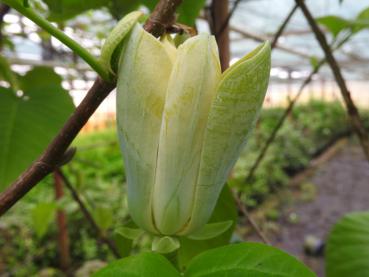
[(279, 124), (163, 15), (283, 26), (352, 111), (88, 215), (249, 218), (287, 111)]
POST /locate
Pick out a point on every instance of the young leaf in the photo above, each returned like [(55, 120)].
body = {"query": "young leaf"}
[(211, 230), (334, 24), (347, 251), (142, 265), (362, 21), (129, 233), (42, 215), (247, 259), (104, 217)]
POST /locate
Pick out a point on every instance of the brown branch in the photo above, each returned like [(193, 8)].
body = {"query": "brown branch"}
[(352, 111), (88, 215), (61, 221), (283, 26), (253, 224), (230, 14), (162, 17), (219, 14)]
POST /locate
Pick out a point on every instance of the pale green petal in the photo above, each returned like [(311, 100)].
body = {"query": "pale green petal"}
[(191, 89), (169, 45), (116, 36), (235, 109), (144, 71)]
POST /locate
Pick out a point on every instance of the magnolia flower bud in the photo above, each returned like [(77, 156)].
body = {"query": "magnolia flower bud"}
[(182, 125)]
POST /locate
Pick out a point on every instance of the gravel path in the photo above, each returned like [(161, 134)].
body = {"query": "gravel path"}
[(342, 185)]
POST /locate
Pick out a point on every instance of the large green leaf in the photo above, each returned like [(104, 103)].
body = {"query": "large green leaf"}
[(119, 8), (60, 10), (142, 265), (334, 24), (224, 210), (28, 123), (347, 251), (247, 259)]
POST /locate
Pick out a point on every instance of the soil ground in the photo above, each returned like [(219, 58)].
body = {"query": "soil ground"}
[(340, 185)]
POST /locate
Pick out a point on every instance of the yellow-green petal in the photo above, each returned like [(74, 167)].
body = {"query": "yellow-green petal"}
[(191, 90), (233, 113), (144, 71), (116, 36)]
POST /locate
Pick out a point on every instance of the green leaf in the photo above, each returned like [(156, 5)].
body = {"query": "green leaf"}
[(224, 210), (129, 233), (189, 10), (42, 215), (334, 24), (347, 251), (142, 265), (314, 61), (211, 230), (28, 123), (247, 259), (104, 217), (119, 8), (123, 244), (60, 10), (165, 244), (362, 21)]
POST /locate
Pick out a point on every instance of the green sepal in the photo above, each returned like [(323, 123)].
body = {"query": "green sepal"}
[(115, 37), (211, 230), (129, 233), (165, 244)]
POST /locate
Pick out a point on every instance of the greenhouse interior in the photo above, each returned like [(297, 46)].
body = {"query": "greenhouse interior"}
[(184, 138)]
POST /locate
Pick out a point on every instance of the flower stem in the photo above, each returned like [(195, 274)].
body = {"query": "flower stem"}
[(54, 31)]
